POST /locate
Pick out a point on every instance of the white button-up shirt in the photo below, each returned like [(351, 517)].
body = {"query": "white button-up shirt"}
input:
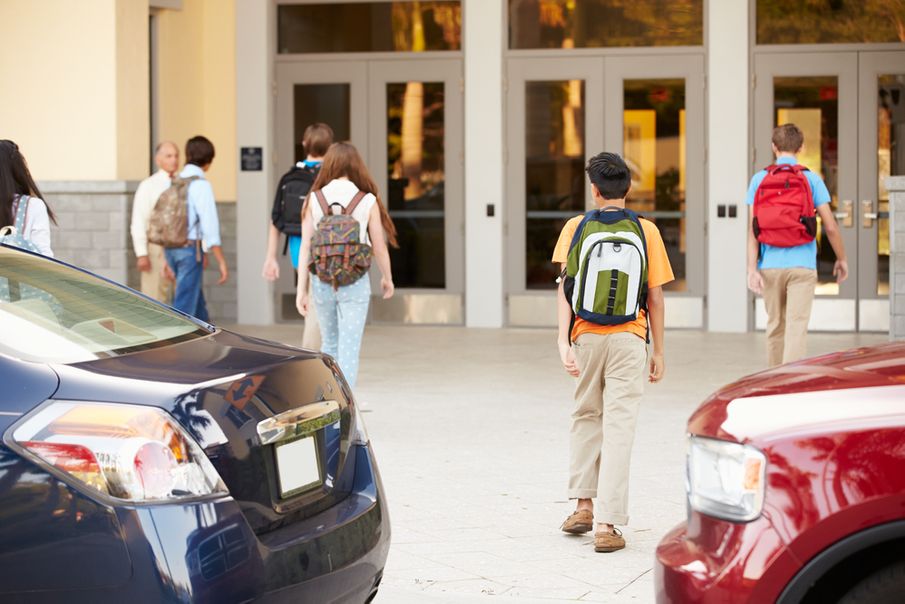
[(146, 197)]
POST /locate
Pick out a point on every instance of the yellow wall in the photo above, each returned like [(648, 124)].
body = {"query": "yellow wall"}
[(197, 83), (60, 95)]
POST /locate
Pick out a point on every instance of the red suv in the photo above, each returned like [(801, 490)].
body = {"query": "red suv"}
[(796, 487)]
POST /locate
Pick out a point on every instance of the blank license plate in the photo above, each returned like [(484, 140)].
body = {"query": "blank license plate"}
[(297, 467)]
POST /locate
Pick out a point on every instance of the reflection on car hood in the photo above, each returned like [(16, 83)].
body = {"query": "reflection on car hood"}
[(778, 399)]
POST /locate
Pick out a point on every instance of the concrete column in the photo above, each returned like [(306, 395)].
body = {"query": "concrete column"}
[(254, 108), (896, 187), (484, 170), (728, 144)]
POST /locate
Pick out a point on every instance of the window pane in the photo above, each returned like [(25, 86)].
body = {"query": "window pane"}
[(829, 22), (369, 27), (890, 160), (554, 171), (813, 105), (605, 23), (327, 103), (51, 313), (416, 171), (654, 148)]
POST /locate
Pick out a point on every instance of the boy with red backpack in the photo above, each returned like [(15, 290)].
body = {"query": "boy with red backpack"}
[(786, 198)]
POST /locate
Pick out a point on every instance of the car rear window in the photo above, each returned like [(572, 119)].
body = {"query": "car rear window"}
[(50, 312)]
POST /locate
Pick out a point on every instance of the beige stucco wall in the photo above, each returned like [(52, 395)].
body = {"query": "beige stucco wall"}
[(73, 95), (197, 82)]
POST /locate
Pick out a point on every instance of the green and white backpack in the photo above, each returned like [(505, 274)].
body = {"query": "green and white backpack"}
[(605, 279)]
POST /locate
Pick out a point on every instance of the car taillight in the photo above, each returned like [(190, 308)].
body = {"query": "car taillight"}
[(130, 452)]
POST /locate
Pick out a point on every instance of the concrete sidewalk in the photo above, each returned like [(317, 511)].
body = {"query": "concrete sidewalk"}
[(470, 431)]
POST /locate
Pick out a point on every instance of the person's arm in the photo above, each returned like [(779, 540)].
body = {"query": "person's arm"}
[(563, 320), (139, 228), (381, 253), (271, 270), (656, 309), (39, 223), (831, 228), (755, 279), (208, 223), (301, 290)]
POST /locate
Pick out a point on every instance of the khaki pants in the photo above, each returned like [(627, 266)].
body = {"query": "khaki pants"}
[(311, 337), (607, 397), (152, 283), (788, 297)]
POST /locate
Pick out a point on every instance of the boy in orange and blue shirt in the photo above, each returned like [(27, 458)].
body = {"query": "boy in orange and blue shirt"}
[(610, 362)]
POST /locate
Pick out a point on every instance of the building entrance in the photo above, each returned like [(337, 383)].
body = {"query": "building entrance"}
[(405, 117), (851, 107), (561, 112)]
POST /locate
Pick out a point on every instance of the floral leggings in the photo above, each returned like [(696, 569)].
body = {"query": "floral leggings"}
[(342, 314)]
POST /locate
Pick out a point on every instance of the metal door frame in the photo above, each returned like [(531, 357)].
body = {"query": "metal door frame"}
[(830, 313), (873, 310)]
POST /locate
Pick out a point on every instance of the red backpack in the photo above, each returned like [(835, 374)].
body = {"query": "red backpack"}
[(784, 214)]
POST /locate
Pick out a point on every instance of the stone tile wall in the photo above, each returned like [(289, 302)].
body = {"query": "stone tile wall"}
[(92, 232), (896, 186)]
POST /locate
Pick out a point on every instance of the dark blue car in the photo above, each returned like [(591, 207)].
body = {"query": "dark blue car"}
[(150, 457)]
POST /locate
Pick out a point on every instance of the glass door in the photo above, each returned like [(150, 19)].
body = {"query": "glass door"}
[(655, 118), (416, 151), (815, 91), (881, 139), (555, 123), (332, 92)]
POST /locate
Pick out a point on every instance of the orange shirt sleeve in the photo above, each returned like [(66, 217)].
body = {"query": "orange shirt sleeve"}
[(561, 251), (659, 271)]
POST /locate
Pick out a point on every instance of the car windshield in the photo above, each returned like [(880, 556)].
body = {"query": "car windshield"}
[(50, 312)]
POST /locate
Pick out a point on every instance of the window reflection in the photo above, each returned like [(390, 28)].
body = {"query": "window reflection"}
[(890, 160), (783, 22), (605, 23), (554, 171), (654, 149), (369, 26), (326, 103), (416, 172), (812, 103)]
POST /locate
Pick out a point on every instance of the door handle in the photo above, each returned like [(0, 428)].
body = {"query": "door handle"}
[(845, 217), (868, 216)]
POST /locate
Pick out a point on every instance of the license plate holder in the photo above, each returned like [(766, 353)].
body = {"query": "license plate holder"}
[(298, 467)]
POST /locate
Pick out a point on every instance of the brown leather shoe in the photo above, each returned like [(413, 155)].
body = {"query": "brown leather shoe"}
[(579, 522), (609, 542)]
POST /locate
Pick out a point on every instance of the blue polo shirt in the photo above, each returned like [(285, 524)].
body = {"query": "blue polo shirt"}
[(799, 256)]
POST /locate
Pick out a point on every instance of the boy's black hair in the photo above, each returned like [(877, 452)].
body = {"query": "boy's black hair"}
[(199, 151), (610, 175)]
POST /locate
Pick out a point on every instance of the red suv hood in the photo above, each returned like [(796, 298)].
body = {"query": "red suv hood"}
[(868, 385)]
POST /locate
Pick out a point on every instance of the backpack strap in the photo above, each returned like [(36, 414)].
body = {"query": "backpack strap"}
[(354, 203), (322, 201), (21, 213)]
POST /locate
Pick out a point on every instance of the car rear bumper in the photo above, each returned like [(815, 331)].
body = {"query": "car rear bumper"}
[(716, 561), (206, 552)]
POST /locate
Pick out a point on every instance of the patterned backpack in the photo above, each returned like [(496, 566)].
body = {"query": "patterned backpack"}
[(12, 235), (169, 222), (606, 273), (338, 256)]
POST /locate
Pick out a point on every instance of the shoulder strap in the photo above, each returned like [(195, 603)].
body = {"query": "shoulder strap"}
[(354, 203), (21, 213), (319, 195)]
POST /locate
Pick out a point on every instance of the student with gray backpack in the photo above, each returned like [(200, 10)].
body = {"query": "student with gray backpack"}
[(344, 226), (24, 216), (610, 305)]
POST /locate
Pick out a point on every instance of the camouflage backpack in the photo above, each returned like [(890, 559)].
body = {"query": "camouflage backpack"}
[(169, 222), (338, 256)]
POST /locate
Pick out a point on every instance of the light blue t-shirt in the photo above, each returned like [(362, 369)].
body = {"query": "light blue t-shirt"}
[(295, 241), (799, 256)]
